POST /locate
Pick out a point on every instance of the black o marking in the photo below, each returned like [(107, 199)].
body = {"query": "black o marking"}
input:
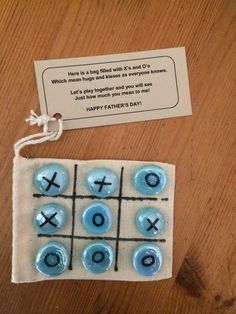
[(99, 260), (51, 181), (95, 221), (152, 174), (147, 257), (57, 259)]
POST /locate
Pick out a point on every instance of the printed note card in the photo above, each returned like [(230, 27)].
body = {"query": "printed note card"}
[(117, 88)]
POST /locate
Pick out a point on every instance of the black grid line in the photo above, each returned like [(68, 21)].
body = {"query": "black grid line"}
[(118, 220), (73, 218), (93, 197), (68, 236), (117, 239)]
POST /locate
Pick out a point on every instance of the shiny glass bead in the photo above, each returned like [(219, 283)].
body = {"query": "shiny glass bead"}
[(150, 180), (149, 221), (102, 181), (51, 179), (147, 259), (97, 257), (49, 218), (97, 218), (52, 259)]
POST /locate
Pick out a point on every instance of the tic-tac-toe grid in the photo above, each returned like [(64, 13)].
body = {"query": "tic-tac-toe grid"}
[(123, 236)]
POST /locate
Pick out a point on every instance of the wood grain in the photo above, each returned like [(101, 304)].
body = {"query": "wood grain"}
[(202, 146)]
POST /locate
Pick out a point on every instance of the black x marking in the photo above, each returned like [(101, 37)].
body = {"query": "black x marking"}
[(51, 182), (152, 224), (48, 219), (103, 182)]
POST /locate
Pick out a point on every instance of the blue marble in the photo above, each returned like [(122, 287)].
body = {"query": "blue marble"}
[(147, 259), (102, 181), (51, 179), (49, 218), (150, 221), (52, 259), (97, 218), (97, 257), (150, 180)]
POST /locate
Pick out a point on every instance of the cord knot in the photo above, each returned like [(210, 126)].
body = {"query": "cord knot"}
[(38, 138), (39, 120)]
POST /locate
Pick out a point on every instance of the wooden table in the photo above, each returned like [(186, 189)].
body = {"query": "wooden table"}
[(202, 145)]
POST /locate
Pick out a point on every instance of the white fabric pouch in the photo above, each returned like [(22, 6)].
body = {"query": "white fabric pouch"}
[(124, 237)]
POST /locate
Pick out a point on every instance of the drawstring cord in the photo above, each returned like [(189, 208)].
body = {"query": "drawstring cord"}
[(41, 137)]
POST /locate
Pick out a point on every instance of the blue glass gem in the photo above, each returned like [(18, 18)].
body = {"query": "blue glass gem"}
[(49, 218), (147, 259), (97, 257), (150, 221), (150, 180), (102, 181), (52, 259), (97, 218), (51, 179)]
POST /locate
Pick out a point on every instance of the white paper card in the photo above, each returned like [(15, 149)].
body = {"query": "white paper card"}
[(111, 89)]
